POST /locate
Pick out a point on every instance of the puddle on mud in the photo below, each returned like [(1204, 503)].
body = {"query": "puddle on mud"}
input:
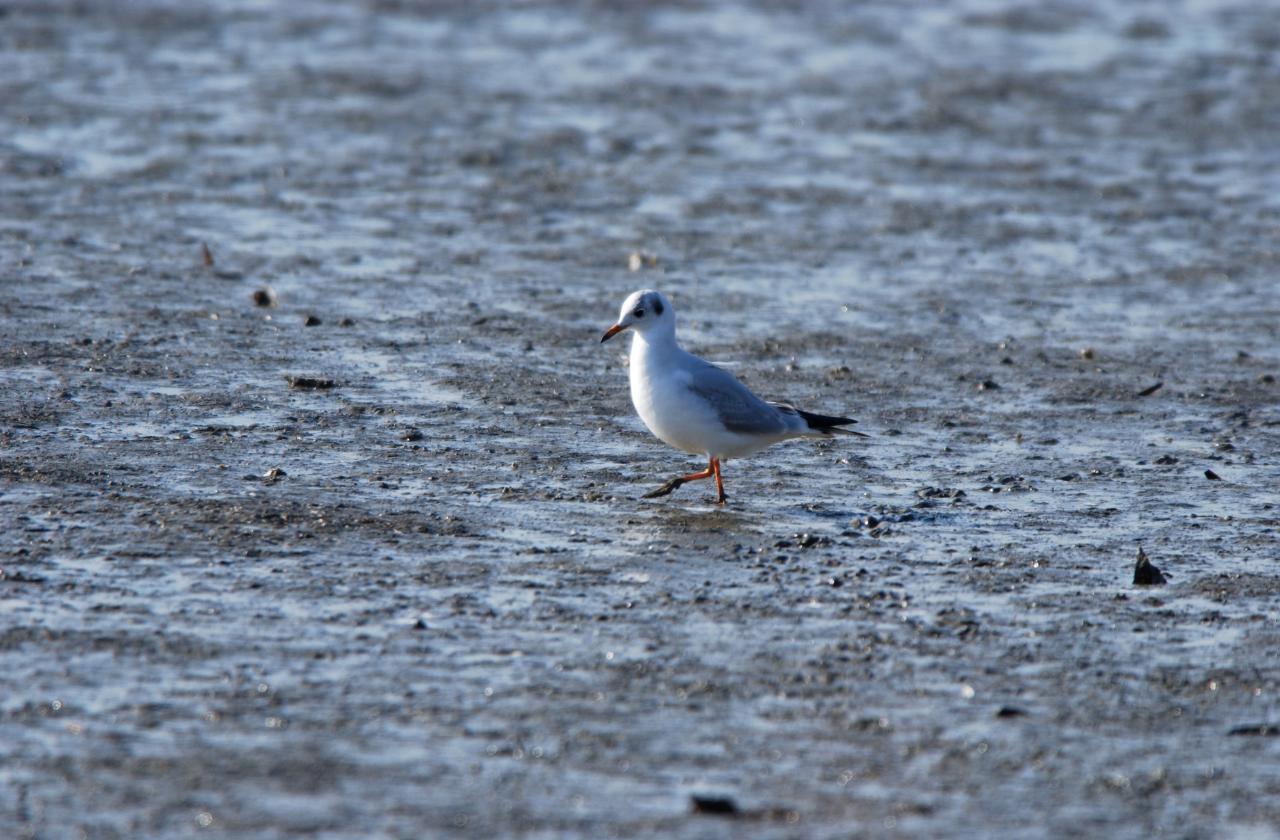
[(983, 229)]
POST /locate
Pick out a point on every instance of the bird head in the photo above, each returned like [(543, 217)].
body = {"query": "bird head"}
[(643, 311)]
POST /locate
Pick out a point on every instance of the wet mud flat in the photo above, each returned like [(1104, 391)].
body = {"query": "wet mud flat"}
[(320, 499)]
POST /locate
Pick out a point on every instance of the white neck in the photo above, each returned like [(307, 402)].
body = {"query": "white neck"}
[(654, 342)]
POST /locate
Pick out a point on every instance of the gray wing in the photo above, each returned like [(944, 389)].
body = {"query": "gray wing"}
[(738, 409)]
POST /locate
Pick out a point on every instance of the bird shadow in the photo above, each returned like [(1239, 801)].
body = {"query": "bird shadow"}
[(696, 516)]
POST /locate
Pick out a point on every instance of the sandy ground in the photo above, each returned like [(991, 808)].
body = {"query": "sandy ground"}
[(427, 601)]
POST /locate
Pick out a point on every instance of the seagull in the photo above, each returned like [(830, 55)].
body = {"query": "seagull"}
[(693, 405)]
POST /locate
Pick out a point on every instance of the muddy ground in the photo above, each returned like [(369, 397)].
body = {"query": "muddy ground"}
[(427, 601)]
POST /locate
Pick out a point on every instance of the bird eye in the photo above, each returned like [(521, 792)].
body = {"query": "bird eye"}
[(638, 312)]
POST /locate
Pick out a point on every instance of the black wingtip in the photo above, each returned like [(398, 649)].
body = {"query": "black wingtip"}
[(826, 423)]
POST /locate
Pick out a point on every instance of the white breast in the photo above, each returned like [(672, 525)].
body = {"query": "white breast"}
[(674, 413), (665, 405), (660, 393)]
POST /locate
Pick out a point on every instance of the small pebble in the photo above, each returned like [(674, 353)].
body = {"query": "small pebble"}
[(720, 806), (310, 383), (1269, 730)]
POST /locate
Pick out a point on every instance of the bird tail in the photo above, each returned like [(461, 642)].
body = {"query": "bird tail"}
[(826, 425)]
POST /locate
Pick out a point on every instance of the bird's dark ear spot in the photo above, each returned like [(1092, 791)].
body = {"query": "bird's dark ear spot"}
[(657, 306)]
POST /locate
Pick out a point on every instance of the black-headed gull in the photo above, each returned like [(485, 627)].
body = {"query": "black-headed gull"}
[(693, 405)]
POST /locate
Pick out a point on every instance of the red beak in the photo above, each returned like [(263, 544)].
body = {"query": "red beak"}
[(611, 332)]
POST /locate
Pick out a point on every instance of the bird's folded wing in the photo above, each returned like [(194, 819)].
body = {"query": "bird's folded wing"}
[(738, 409)]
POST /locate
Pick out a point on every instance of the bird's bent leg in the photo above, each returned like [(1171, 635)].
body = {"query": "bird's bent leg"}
[(671, 485), (720, 496)]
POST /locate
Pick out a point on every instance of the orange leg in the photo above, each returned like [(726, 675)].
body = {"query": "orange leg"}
[(720, 496), (713, 469)]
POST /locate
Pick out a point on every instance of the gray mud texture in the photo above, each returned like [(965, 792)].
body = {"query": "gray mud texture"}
[(320, 501)]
